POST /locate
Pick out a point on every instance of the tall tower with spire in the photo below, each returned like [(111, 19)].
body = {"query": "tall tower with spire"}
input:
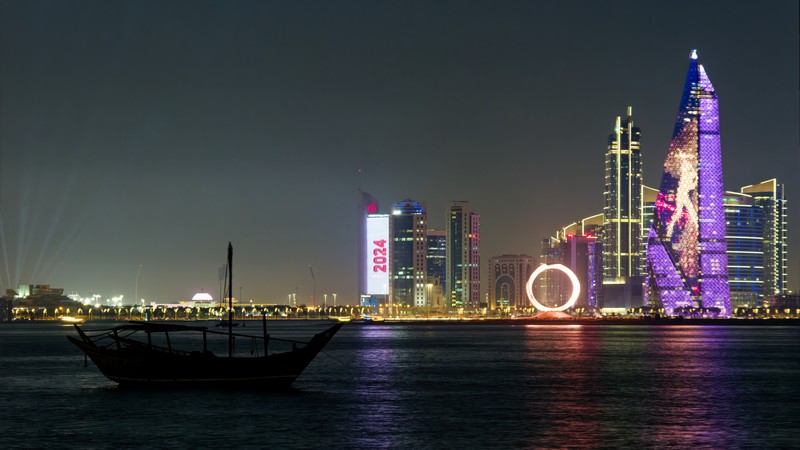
[(686, 250), (622, 211)]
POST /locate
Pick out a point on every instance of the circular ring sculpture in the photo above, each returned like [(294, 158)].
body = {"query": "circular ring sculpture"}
[(576, 287)]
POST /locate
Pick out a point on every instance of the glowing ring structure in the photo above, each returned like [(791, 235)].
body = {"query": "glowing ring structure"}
[(576, 287)]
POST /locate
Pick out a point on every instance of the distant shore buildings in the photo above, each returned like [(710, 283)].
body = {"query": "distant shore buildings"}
[(688, 245)]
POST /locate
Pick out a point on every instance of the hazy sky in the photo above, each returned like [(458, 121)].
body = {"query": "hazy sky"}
[(152, 133)]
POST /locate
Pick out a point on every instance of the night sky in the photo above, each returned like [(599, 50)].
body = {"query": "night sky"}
[(152, 133)]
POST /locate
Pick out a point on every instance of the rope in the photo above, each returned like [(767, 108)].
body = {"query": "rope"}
[(253, 346), (333, 357)]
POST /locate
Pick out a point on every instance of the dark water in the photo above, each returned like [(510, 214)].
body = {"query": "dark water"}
[(433, 386)]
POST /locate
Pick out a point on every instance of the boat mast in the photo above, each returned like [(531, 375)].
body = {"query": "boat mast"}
[(230, 300)]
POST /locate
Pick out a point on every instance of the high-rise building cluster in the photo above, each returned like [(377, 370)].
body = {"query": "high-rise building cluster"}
[(405, 263), (688, 245)]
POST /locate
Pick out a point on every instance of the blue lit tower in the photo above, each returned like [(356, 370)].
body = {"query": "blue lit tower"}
[(686, 251), (407, 226), (622, 211)]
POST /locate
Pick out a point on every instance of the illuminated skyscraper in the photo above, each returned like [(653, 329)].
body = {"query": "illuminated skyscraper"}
[(745, 240), (437, 256), (366, 205), (463, 255), (756, 235), (686, 251), (408, 260), (622, 211), (769, 197)]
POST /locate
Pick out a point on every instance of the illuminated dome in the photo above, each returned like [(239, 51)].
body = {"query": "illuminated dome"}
[(202, 297)]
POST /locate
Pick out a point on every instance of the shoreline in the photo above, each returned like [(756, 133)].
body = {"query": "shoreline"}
[(598, 322), (493, 321)]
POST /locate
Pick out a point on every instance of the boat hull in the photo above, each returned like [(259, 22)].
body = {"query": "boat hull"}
[(142, 366)]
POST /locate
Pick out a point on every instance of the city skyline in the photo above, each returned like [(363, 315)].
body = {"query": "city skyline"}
[(136, 140)]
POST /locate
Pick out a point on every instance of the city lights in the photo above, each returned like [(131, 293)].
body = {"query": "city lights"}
[(576, 287)]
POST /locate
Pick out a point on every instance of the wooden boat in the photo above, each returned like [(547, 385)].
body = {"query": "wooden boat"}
[(129, 361)]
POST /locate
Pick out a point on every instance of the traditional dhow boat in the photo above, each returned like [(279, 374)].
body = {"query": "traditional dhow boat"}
[(132, 361)]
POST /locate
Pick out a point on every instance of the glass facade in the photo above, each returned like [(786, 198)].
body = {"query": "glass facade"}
[(622, 210), (686, 249), (769, 197), (437, 256), (408, 253), (745, 228), (463, 256)]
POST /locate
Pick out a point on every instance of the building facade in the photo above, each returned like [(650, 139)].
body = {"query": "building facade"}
[(687, 263), (583, 255), (744, 235), (756, 236), (408, 260), (622, 210), (508, 275), (463, 256), (649, 197), (366, 204), (437, 261), (769, 197)]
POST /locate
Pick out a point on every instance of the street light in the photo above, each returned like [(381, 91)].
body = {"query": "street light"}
[(314, 294), (136, 292)]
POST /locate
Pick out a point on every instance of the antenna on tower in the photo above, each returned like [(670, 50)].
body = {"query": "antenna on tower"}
[(359, 172)]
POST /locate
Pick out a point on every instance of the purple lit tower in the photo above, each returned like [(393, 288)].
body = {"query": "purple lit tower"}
[(687, 265)]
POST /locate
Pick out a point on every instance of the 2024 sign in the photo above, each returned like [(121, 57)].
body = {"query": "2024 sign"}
[(379, 253)]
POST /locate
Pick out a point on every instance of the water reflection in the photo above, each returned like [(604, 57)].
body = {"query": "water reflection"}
[(428, 386), (698, 385), (665, 387)]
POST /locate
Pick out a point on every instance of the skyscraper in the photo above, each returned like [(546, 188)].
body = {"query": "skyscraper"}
[(686, 251), (366, 205), (463, 255), (622, 211), (769, 197), (437, 256), (408, 253), (744, 236)]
